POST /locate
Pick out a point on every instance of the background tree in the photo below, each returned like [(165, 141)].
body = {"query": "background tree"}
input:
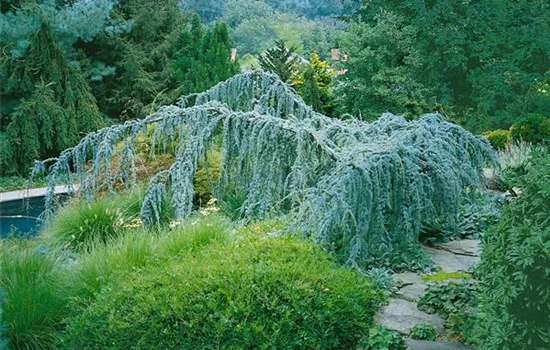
[(314, 83), (52, 104), (280, 60), (202, 58), (474, 60)]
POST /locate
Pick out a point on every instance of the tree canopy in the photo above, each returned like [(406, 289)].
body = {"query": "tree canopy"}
[(481, 62), (69, 67)]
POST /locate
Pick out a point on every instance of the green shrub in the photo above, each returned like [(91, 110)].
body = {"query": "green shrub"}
[(515, 269), (456, 303), (380, 338), (254, 292), (423, 331), (498, 138), (35, 298), (533, 128)]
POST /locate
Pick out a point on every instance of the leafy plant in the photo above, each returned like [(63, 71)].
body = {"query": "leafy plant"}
[(478, 211), (456, 303), (515, 161), (380, 338), (423, 331), (35, 298), (363, 190), (515, 268), (254, 291)]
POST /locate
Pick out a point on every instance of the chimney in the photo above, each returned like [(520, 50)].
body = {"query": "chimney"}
[(335, 54)]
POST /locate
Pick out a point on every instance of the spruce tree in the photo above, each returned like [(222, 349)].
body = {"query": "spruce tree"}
[(280, 60), (202, 58)]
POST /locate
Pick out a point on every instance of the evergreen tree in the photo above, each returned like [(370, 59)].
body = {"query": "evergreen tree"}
[(481, 60), (49, 107), (314, 82), (280, 60), (139, 56), (201, 58)]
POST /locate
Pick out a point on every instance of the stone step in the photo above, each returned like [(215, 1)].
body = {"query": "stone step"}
[(413, 344), (402, 315)]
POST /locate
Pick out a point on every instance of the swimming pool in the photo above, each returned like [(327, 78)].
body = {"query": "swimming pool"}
[(21, 216)]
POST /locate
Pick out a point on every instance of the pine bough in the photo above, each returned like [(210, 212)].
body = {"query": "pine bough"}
[(361, 189)]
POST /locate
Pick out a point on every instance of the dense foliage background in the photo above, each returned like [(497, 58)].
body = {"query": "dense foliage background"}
[(483, 63)]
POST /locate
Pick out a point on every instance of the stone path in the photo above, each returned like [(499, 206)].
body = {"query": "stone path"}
[(434, 345), (401, 313)]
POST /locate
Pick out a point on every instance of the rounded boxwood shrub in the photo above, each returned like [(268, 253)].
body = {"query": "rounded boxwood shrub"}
[(498, 138), (255, 292), (515, 269), (533, 128)]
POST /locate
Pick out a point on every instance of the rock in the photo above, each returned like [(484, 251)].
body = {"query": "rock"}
[(411, 286), (470, 247), (491, 178), (402, 315), (450, 262), (413, 344)]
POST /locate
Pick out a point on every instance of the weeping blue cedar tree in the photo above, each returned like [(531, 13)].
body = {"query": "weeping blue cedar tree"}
[(362, 190)]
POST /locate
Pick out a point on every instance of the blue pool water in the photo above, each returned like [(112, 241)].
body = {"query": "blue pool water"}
[(21, 217)]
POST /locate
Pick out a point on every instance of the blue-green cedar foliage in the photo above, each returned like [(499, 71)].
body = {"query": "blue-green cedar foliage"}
[(363, 190), (69, 22)]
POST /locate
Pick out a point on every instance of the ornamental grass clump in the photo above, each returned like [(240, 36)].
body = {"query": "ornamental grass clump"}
[(34, 298), (362, 190), (80, 225)]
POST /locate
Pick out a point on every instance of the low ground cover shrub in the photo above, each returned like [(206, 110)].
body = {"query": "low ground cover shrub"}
[(380, 338), (423, 331), (137, 249), (253, 291), (456, 302), (34, 300), (515, 269)]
